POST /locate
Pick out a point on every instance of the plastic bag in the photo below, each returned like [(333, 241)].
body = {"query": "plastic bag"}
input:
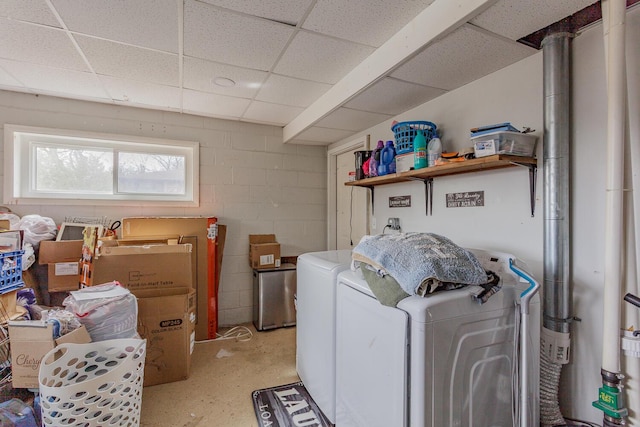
[(37, 228), (29, 256), (14, 219), (63, 321), (16, 413), (108, 311)]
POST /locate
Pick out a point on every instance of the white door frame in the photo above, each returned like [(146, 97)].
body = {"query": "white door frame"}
[(332, 168)]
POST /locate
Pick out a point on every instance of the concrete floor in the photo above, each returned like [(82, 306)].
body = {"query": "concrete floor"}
[(223, 375)]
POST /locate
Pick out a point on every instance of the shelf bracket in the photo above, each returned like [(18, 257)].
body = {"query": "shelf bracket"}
[(533, 172), (428, 194)]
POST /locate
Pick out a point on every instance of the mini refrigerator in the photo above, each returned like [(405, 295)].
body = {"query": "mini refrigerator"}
[(274, 292)]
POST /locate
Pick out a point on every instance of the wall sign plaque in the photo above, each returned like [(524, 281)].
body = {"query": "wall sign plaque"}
[(400, 202), (465, 200)]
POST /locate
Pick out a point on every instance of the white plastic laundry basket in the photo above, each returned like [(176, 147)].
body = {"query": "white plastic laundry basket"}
[(91, 385)]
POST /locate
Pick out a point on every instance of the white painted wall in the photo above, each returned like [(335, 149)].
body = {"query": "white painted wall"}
[(249, 180), (515, 94)]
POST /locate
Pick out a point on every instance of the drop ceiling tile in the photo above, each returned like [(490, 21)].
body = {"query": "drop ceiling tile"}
[(515, 19), (68, 83), (287, 11), (370, 22), (148, 23), (461, 57), (39, 45), (35, 11), (222, 36), (7, 80), (320, 58), (129, 62), (275, 114), (353, 120), (214, 105), (200, 75), (289, 91), (142, 93), (392, 96), (325, 135)]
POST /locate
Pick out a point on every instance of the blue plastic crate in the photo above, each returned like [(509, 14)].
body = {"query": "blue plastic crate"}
[(10, 271), (405, 132)]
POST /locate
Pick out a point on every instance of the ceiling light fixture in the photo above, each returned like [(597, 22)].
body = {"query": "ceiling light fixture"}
[(224, 82)]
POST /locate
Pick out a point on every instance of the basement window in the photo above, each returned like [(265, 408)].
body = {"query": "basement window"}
[(49, 166)]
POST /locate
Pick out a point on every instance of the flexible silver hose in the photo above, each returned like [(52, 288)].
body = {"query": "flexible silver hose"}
[(549, 384)]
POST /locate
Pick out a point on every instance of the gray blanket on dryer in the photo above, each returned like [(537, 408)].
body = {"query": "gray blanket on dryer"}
[(420, 262)]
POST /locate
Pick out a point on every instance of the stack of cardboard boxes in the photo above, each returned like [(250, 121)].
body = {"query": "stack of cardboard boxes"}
[(163, 271), (160, 276)]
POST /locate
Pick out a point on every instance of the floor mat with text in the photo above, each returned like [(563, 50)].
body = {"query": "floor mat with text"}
[(287, 405)]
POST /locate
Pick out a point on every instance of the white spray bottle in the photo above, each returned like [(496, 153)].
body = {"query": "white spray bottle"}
[(434, 150)]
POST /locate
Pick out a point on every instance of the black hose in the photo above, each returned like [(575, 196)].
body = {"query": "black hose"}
[(630, 298)]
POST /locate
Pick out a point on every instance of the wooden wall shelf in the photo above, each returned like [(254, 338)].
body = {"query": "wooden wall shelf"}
[(426, 175)]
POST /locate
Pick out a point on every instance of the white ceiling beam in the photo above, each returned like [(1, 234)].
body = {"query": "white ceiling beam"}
[(437, 20)]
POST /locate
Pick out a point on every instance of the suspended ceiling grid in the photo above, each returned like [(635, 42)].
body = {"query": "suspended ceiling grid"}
[(321, 69)]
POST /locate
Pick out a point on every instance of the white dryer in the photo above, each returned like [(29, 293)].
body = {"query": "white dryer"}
[(316, 324), (439, 361)]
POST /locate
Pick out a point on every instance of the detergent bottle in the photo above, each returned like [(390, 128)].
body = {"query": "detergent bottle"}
[(387, 159), (434, 150), (419, 151), (375, 159)]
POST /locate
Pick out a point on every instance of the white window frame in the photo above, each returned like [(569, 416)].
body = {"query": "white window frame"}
[(18, 165)]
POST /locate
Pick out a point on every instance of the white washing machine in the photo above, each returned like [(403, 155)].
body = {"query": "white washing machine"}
[(316, 324), (439, 361)]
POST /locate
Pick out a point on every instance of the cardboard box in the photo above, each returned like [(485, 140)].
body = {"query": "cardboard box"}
[(8, 304), (62, 259), (30, 340), (264, 251), (166, 319), (201, 232), (145, 266)]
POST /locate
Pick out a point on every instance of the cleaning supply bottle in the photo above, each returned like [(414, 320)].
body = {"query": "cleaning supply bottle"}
[(375, 159), (392, 165), (419, 151), (434, 150), (387, 160)]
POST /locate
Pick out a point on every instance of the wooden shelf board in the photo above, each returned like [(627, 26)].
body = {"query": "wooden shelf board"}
[(496, 161)]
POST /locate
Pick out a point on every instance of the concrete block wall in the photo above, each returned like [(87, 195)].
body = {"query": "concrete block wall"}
[(249, 180)]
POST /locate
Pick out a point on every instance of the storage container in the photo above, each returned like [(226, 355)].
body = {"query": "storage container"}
[(92, 385), (11, 271), (513, 143), (405, 132)]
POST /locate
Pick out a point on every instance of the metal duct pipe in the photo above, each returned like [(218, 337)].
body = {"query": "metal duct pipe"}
[(557, 100), (554, 337)]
